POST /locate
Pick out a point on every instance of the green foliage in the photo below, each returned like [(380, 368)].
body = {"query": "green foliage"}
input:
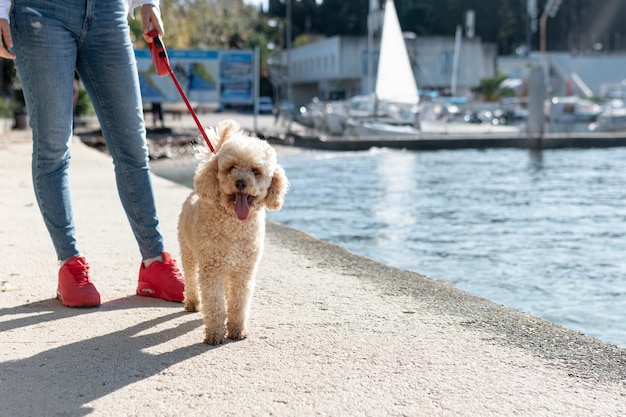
[(577, 25), (83, 106), (19, 102), (6, 109), (214, 23), (490, 89), (207, 24)]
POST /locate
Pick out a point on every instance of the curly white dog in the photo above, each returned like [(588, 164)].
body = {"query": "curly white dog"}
[(221, 229)]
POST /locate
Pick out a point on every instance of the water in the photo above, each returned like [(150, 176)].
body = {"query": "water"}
[(543, 233)]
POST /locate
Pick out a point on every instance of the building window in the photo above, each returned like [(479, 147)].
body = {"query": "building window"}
[(445, 62)]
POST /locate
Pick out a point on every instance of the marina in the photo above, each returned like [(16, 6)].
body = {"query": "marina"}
[(449, 250), (456, 139), (542, 232), (539, 231)]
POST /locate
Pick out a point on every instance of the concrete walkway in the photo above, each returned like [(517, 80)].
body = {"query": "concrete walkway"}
[(332, 334)]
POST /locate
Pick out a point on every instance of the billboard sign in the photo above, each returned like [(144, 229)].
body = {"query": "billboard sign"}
[(206, 76)]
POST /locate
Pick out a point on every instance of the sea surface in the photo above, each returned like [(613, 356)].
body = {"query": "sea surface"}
[(541, 232)]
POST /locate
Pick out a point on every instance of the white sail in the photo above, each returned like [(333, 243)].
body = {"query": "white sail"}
[(395, 81)]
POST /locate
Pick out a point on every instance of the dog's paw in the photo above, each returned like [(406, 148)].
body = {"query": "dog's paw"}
[(190, 306), (214, 338), (237, 334)]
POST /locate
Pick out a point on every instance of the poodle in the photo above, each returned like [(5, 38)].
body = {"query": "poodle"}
[(221, 228)]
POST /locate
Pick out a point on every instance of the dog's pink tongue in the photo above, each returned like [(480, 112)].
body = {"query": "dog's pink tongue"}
[(241, 206)]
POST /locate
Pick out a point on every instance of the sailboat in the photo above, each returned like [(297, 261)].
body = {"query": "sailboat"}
[(395, 82), (394, 105), (396, 97)]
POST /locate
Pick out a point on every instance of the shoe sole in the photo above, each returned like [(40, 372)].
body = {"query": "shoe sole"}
[(144, 290), (93, 302)]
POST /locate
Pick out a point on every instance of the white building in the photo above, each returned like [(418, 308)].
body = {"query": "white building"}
[(594, 75), (337, 67)]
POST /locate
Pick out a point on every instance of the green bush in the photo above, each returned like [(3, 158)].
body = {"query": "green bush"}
[(83, 104), (489, 88), (6, 110)]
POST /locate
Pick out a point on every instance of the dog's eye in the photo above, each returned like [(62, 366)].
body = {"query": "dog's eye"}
[(256, 172)]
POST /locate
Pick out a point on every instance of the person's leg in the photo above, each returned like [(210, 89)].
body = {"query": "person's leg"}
[(154, 115), (107, 66), (161, 118), (46, 46), (160, 113), (46, 53)]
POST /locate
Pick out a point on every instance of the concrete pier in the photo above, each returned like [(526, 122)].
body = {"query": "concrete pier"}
[(332, 333)]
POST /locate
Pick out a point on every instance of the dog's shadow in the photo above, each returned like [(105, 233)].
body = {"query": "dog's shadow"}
[(63, 379)]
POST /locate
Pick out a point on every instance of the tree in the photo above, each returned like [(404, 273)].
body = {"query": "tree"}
[(205, 24), (490, 89), (579, 25), (340, 17)]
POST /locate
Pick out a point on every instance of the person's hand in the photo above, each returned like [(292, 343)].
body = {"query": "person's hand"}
[(6, 41), (151, 20)]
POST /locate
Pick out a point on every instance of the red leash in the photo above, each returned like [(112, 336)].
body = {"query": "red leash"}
[(162, 66)]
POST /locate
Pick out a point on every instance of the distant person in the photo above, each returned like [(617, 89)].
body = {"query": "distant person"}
[(157, 114), (276, 113), (50, 40)]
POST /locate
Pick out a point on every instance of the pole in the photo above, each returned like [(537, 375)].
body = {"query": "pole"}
[(542, 42), (536, 89), (373, 25), (255, 77), (542, 29), (531, 24), (456, 59), (288, 51), (370, 51)]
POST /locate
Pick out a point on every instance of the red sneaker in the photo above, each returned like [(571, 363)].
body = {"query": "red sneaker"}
[(75, 288), (161, 280)]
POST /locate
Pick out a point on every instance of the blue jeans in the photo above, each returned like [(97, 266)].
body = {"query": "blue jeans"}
[(52, 40)]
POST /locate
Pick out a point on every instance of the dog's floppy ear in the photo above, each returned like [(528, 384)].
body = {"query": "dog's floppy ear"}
[(278, 189), (205, 179)]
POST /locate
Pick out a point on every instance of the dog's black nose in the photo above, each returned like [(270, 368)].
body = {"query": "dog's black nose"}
[(240, 184)]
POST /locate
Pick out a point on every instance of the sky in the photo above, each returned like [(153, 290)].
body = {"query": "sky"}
[(263, 2), (257, 3)]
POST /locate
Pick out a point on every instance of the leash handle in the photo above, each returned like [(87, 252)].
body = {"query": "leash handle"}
[(162, 67), (158, 54)]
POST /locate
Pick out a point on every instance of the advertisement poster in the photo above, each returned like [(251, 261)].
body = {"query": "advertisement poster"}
[(206, 76), (236, 82)]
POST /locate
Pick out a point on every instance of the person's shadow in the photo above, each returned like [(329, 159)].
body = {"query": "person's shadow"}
[(63, 379)]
